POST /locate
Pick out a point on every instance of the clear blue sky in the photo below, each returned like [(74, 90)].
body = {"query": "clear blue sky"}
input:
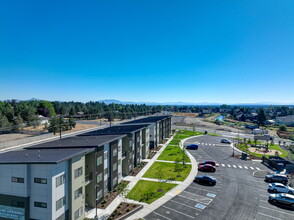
[(163, 51)]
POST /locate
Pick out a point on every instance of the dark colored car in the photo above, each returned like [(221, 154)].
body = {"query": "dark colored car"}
[(211, 162), (205, 179), (206, 167), (192, 146), (282, 198), (226, 141), (277, 178)]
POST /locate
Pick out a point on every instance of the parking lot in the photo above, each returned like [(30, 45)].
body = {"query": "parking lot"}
[(237, 194)]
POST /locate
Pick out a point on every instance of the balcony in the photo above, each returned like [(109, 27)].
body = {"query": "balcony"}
[(88, 178), (124, 155)]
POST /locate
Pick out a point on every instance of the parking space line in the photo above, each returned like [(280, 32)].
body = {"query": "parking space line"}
[(185, 205), (202, 189), (162, 216), (223, 165), (276, 210), (234, 166), (178, 212), (198, 200), (263, 201), (257, 168), (251, 168), (263, 195), (240, 167), (229, 165), (246, 167), (268, 216)]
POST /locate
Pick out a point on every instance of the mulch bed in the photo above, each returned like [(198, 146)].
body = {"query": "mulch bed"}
[(152, 154), (122, 209), (110, 197), (137, 169)]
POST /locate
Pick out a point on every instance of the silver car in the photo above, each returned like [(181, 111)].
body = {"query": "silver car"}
[(282, 198), (280, 188)]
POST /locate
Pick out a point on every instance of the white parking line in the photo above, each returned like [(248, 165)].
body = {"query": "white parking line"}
[(162, 216), (223, 165), (257, 168), (251, 168), (263, 195), (178, 211), (209, 144), (205, 143), (202, 189), (240, 167), (229, 165), (276, 210), (246, 167), (268, 216), (185, 205), (234, 166)]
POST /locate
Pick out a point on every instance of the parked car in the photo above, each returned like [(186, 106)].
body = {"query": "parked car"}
[(213, 163), (280, 188), (205, 179), (226, 141), (282, 198), (192, 146), (276, 178), (206, 167)]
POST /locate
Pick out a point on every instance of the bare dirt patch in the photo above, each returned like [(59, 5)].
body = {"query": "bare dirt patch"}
[(78, 127), (12, 137), (263, 151)]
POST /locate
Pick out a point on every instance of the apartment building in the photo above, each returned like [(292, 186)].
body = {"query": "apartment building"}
[(159, 126), (59, 179), (135, 145)]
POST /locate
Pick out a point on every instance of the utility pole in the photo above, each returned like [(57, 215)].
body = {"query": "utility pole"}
[(60, 127)]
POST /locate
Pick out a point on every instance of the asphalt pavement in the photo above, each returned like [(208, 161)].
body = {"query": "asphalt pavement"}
[(238, 194)]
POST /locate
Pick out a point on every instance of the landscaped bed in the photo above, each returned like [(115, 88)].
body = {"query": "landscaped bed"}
[(123, 209), (273, 147), (112, 195), (137, 169), (168, 171), (149, 191)]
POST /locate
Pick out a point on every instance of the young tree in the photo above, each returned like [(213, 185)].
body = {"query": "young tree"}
[(282, 127), (261, 118)]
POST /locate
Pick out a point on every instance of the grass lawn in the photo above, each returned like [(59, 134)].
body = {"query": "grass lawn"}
[(149, 191), (272, 147), (167, 170), (173, 153)]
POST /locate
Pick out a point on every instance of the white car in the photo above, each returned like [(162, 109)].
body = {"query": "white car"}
[(280, 188)]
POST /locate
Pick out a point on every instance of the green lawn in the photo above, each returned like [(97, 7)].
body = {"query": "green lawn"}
[(272, 147), (149, 191), (168, 171), (173, 153)]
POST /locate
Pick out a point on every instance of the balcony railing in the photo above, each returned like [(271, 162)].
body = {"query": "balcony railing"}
[(88, 177)]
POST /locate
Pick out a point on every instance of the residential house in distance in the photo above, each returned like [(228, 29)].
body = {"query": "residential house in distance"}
[(286, 120), (59, 179), (160, 128)]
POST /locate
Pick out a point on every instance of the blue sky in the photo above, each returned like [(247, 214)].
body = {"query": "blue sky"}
[(155, 51)]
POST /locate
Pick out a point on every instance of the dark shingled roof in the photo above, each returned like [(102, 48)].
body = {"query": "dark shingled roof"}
[(120, 129), (43, 156), (78, 142), (148, 119)]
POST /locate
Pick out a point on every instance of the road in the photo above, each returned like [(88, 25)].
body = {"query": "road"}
[(237, 195)]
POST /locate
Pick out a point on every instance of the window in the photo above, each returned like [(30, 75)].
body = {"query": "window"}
[(99, 194), (99, 177), (60, 203), (114, 167), (17, 204), (99, 160), (114, 181), (60, 180), (105, 155), (78, 172), (119, 162), (40, 180), (17, 179), (78, 192), (78, 213), (114, 152), (106, 170), (62, 217), (40, 204)]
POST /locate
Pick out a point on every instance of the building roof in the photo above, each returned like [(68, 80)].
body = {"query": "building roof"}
[(148, 119), (120, 129), (78, 142), (41, 156), (286, 119)]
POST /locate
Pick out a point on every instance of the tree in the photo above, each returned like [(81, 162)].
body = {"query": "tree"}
[(282, 127), (46, 109), (71, 123), (261, 118)]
